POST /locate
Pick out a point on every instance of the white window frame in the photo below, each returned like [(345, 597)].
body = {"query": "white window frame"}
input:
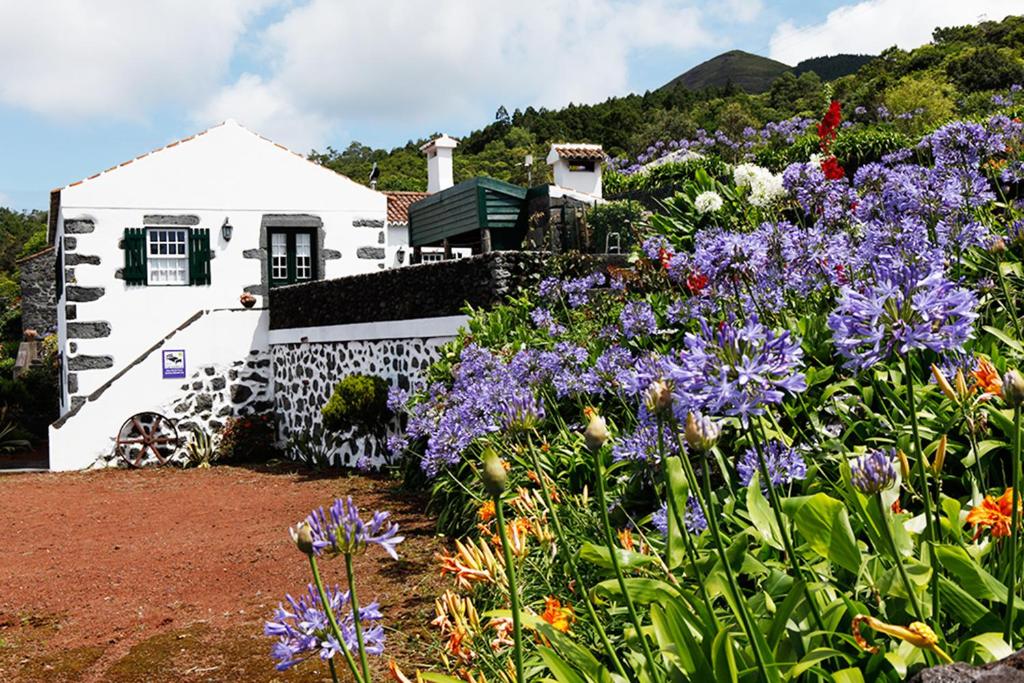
[(158, 259)]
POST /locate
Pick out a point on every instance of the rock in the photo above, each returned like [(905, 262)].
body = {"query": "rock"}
[(204, 402), (1009, 670), (240, 393), (218, 383)]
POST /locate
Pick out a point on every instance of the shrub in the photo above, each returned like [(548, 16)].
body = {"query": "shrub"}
[(623, 217), (248, 438), (200, 451), (359, 402)]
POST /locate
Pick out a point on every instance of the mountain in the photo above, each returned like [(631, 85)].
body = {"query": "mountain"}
[(753, 73), (833, 66)]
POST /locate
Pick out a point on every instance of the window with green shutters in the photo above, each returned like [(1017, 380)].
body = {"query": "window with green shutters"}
[(166, 256), (292, 256)]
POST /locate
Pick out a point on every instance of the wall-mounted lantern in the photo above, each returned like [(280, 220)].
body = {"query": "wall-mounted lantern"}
[(226, 230)]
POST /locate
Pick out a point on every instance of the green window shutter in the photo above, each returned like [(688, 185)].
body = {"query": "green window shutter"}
[(134, 256), (199, 256)]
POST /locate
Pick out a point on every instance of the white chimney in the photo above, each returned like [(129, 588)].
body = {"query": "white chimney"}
[(577, 167), (439, 163)]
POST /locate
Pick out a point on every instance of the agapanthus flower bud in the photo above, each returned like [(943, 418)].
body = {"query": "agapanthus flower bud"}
[(701, 433), (1013, 389), (873, 472), (302, 535), (998, 246), (596, 434), (493, 474), (658, 397)]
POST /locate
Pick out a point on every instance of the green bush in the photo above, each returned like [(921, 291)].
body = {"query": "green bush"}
[(623, 217), (359, 402)]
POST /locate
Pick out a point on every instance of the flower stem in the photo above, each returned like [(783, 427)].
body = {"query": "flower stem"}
[(334, 672), (613, 555), (738, 598), (333, 622), (1014, 528), (923, 476), (513, 589), (887, 533), (787, 543), (356, 616), (1010, 307), (563, 549)]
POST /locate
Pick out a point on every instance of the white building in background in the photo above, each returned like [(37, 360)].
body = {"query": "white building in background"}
[(577, 166), (154, 254)]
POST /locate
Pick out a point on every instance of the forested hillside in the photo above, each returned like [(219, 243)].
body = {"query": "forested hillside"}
[(952, 75)]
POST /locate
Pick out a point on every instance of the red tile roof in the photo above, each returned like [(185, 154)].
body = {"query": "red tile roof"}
[(579, 151), (399, 202)]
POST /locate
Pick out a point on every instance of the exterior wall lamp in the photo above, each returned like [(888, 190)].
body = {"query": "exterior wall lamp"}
[(226, 230)]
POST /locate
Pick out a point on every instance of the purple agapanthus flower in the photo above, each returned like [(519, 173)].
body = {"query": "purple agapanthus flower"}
[(637, 319), (874, 471), (735, 370), (642, 444), (302, 630), (784, 465), (340, 531), (693, 518), (906, 307), (544, 319)]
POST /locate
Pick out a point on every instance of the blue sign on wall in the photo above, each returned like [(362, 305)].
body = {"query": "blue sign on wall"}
[(174, 364)]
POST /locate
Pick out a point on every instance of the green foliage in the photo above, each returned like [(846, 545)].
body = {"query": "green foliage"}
[(31, 399), (623, 217), (359, 402), (311, 447), (200, 451), (928, 97), (986, 68)]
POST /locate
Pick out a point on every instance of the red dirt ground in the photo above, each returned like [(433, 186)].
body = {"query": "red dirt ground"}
[(167, 575)]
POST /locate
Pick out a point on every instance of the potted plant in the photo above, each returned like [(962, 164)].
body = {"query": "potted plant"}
[(248, 300)]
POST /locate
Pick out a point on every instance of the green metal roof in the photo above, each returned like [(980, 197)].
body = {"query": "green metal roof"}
[(467, 208)]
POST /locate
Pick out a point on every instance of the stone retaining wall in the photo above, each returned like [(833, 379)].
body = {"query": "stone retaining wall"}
[(39, 292)]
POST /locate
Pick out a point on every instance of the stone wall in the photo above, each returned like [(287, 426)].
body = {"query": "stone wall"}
[(212, 395), (39, 292), (422, 291), (305, 375)]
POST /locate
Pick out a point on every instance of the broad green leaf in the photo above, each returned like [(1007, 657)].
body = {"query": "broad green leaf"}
[(678, 489), (559, 668), (969, 574), (987, 646), (642, 591), (599, 555), (723, 658), (814, 657), (824, 524), (965, 606), (761, 514), (850, 675)]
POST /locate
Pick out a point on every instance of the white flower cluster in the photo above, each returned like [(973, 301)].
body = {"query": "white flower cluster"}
[(708, 202), (765, 186)]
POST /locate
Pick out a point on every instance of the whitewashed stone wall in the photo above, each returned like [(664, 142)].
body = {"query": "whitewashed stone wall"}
[(305, 374)]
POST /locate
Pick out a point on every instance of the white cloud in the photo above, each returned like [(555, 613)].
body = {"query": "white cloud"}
[(873, 25), (261, 107), (449, 60), (116, 58)]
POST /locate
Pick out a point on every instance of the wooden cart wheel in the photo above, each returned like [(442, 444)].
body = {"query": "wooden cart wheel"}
[(147, 438)]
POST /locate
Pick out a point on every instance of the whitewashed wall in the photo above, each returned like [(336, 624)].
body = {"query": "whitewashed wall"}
[(216, 339), (229, 173)]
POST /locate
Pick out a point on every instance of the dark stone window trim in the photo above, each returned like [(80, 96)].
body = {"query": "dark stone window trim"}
[(164, 219)]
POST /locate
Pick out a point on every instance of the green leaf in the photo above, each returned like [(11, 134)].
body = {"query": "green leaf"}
[(723, 658), (988, 647), (1004, 337), (824, 524), (969, 574), (678, 489), (599, 555), (761, 514), (850, 675), (813, 657), (643, 591), (559, 668), (971, 613)]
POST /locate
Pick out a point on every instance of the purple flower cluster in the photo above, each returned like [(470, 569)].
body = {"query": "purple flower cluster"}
[(642, 444), (735, 370), (693, 518), (874, 472), (575, 290), (902, 308), (302, 629), (784, 465), (637, 319), (340, 531)]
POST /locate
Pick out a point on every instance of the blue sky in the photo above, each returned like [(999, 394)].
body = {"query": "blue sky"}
[(85, 85)]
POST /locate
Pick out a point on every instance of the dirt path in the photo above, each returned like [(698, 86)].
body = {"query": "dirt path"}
[(167, 575)]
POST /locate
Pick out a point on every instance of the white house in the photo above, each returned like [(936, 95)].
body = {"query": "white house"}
[(154, 254)]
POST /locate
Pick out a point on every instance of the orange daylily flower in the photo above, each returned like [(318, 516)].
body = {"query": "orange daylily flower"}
[(486, 511), (993, 514), (626, 539), (918, 634), (559, 617), (987, 378)]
